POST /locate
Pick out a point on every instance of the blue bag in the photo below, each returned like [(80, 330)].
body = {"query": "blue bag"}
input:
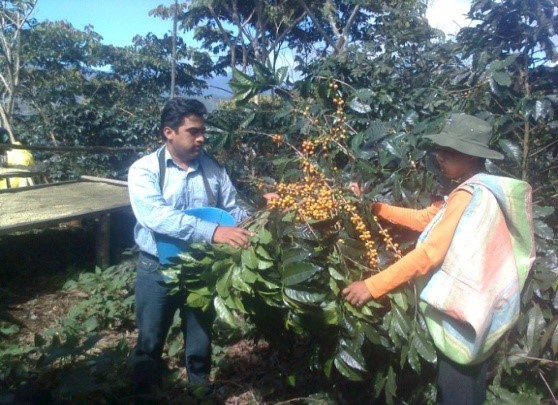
[(168, 248)]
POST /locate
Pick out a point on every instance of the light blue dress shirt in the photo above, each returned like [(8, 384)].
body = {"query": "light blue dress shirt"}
[(182, 189)]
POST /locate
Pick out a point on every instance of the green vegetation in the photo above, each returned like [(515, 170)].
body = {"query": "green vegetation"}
[(369, 87)]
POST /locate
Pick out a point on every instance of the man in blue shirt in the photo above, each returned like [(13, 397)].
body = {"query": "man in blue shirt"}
[(190, 179)]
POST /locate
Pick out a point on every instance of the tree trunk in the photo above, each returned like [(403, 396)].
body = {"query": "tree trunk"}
[(6, 124), (173, 61), (10, 51)]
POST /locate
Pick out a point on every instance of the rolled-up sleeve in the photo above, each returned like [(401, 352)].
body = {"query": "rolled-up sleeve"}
[(417, 220)]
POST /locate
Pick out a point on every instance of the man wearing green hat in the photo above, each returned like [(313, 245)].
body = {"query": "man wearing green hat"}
[(471, 260)]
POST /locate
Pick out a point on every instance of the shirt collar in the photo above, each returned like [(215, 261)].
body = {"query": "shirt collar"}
[(194, 166)]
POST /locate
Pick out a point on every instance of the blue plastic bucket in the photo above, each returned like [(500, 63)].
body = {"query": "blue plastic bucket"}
[(169, 248)]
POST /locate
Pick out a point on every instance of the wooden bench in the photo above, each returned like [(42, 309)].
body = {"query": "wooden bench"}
[(36, 174), (48, 205)]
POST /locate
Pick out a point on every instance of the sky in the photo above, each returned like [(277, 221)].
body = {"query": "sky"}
[(448, 15), (118, 21)]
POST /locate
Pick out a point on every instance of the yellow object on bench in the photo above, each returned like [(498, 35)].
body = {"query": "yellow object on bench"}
[(17, 157)]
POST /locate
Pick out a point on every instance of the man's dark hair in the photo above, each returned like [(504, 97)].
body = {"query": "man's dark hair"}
[(177, 109)]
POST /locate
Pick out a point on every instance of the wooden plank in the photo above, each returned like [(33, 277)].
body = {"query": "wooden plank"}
[(21, 175), (29, 207), (104, 180), (86, 149), (55, 221), (102, 241), (35, 187)]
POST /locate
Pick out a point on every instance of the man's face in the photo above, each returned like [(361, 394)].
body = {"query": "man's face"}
[(453, 164), (186, 143)]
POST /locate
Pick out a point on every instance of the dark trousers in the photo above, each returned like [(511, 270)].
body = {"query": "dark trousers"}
[(460, 385), (155, 309)]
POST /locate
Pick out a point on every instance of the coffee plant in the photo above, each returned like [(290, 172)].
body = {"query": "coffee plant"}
[(316, 247)]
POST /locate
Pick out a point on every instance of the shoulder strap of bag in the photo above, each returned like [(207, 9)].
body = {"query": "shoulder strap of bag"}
[(163, 167), (210, 196)]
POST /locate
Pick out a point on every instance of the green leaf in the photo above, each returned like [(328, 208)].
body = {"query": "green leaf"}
[(249, 276), (424, 346), (174, 347), (376, 131), (400, 321), (334, 287), (358, 106), (502, 78), (249, 258), (550, 333), (357, 141), (281, 74), (239, 280), (535, 325), (353, 359), (264, 236), (223, 313), (345, 370), (413, 358), (220, 267), (243, 96), (541, 212), (264, 265), (263, 74), (171, 274), (511, 150), (199, 298), (371, 333), (400, 299), (351, 248), (91, 324), (330, 313), (336, 275), (262, 253), (391, 385), (554, 342), (223, 285), (298, 272), (9, 330), (240, 79), (542, 230), (250, 117), (328, 366), (305, 297), (542, 109), (364, 94), (294, 255)]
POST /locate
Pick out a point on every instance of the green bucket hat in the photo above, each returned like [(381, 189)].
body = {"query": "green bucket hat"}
[(466, 134)]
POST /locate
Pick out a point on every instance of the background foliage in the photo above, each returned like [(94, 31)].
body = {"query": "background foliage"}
[(398, 77)]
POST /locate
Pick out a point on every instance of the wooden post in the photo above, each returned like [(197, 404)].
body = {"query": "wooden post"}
[(102, 241)]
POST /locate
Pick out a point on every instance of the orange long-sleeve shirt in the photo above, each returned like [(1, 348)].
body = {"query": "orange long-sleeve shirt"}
[(429, 254)]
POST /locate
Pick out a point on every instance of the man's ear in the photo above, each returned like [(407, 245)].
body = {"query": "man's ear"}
[(168, 132)]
